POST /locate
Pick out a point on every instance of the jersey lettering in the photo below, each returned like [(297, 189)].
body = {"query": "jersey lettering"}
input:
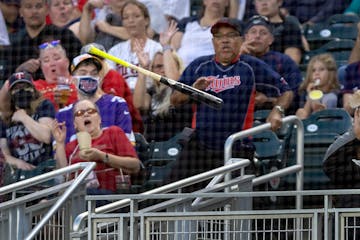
[(221, 84)]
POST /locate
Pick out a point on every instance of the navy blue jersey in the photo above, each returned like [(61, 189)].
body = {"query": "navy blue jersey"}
[(288, 69), (285, 66), (235, 85), (352, 78), (267, 80)]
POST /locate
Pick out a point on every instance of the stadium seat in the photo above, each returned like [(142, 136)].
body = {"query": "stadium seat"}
[(339, 48), (338, 26), (158, 159), (320, 130)]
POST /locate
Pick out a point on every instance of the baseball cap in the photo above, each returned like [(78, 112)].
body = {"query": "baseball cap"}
[(86, 57), (20, 77), (226, 22), (258, 20)]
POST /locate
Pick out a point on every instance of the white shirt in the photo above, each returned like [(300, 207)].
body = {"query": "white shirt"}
[(4, 35), (196, 42), (123, 51), (177, 8)]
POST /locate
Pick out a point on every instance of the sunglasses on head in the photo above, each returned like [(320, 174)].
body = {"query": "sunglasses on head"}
[(259, 17), (51, 44), (80, 113)]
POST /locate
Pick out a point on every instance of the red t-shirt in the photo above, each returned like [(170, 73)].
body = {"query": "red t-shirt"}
[(47, 90), (114, 83), (112, 141)]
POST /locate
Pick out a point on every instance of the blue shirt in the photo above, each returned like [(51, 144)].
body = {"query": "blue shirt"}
[(235, 85), (352, 78)]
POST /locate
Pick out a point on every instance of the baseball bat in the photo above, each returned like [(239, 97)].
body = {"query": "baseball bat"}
[(193, 93)]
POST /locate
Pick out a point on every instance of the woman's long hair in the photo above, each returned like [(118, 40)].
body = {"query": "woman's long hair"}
[(160, 103), (37, 99)]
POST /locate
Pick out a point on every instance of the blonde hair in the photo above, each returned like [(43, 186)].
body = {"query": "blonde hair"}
[(330, 64), (163, 91)]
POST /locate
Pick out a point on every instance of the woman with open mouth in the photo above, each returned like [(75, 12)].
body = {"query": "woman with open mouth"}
[(113, 153)]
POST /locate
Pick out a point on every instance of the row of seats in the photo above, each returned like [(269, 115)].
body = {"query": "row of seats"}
[(278, 150), (337, 36)]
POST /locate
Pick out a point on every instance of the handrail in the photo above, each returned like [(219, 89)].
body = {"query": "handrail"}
[(163, 189), (41, 178), (87, 168), (299, 152)]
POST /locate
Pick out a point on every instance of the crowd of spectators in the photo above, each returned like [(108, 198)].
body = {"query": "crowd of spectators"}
[(247, 52)]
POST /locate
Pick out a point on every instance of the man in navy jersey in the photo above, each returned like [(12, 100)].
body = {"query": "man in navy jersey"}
[(232, 78), (258, 40)]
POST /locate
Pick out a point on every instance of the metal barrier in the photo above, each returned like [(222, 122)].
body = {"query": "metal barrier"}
[(80, 230), (79, 221), (181, 221), (298, 168), (23, 217)]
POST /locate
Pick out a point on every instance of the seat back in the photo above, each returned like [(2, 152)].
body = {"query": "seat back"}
[(340, 49), (320, 130)]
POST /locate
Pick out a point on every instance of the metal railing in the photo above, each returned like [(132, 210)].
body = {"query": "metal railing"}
[(17, 215), (298, 168), (322, 222), (79, 221)]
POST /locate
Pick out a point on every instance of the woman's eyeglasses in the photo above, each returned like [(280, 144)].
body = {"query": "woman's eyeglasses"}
[(45, 45), (80, 113)]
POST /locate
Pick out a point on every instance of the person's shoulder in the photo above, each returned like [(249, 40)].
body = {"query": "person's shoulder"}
[(46, 104), (202, 59), (114, 129), (353, 66), (187, 20), (110, 99), (18, 36), (251, 59), (40, 83), (119, 46), (66, 109), (281, 56)]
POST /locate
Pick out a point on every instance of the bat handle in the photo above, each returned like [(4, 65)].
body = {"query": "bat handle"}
[(193, 93)]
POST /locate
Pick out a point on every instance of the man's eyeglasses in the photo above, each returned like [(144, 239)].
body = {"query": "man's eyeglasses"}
[(45, 45), (80, 113), (231, 35)]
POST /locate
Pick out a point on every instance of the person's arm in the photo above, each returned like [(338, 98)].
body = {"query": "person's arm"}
[(346, 103), (233, 8), (355, 52), (294, 53), (31, 66), (4, 98), (58, 131), (13, 161), (305, 111), (86, 31), (116, 31), (40, 129), (141, 101), (141, 98), (177, 98), (130, 165), (171, 68), (282, 103), (176, 40)]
